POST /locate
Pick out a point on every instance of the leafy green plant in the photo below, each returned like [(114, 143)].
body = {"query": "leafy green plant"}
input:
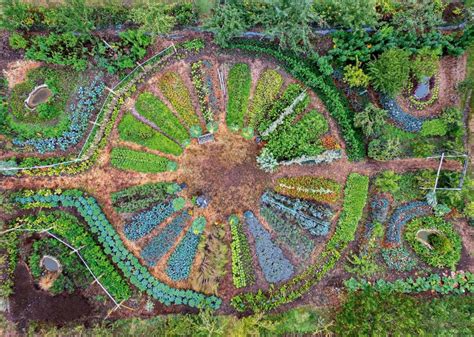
[(355, 76), (371, 120), (434, 127), (238, 87), (242, 272), (388, 181), (127, 159)]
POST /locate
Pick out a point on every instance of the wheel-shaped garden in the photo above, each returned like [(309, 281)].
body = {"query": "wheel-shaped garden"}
[(233, 179)]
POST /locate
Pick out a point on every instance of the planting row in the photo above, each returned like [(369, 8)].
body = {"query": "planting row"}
[(132, 160), (354, 202), (243, 274), (310, 188), (113, 246)]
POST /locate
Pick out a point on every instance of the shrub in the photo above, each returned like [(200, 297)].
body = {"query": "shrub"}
[(434, 127), (174, 89), (425, 63), (131, 160), (181, 260), (143, 223), (446, 250), (238, 91), (370, 120), (355, 76), (132, 130), (387, 181), (310, 188), (384, 148), (390, 72), (158, 113), (275, 266), (142, 196), (17, 41), (268, 87), (243, 273)]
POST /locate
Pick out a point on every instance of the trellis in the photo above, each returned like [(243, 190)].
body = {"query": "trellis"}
[(461, 180), (95, 123)]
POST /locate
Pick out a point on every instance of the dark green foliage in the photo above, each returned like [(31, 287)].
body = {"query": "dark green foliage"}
[(227, 22), (301, 138), (306, 72), (17, 41), (389, 73), (238, 86), (388, 181), (370, 120), (139, 197), (73, 275), (377, 314), (154, 18)]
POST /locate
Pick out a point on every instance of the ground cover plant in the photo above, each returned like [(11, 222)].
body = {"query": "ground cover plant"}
[(242, 272), (176, 92), (132, 130), (139, 197), (127, 159), (158, 113), (238, 86)]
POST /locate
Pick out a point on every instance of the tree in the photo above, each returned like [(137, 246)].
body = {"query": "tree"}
[(390, 72), (353, 14), (289, 21), (417, 17), (370, 120), (153, 18), (227, 22)]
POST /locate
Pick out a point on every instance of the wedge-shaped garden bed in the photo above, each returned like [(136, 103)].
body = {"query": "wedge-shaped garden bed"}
[(132, 130), (238, 91), (131, 160), (158, 113)]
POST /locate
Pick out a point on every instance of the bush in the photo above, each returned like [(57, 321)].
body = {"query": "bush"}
[(131, 160), (425, 63), (390, 72), (387, 181), (238, 91), (355, 76), (371, 120), (434, 127), (17, 41), (384, 148)]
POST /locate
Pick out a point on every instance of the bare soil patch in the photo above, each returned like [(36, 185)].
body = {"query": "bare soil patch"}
[(16, 71)]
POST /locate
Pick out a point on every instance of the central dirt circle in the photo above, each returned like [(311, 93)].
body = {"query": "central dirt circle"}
[(226, 172)]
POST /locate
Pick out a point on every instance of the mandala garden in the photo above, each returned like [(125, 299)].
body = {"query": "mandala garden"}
[(241, 179)]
